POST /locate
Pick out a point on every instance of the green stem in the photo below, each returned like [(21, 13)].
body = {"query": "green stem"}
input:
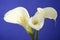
[(32, 36), (36, 35)]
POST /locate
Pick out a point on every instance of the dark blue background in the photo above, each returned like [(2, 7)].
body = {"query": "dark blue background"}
[(10, 31)]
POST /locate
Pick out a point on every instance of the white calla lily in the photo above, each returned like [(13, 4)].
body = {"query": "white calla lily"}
[(37, 21), (19, 16)]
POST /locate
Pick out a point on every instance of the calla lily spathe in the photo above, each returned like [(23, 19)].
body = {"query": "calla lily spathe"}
[(19, 16)]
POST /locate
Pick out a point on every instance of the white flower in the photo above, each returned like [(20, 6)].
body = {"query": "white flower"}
[(19, 16), (37, 21)]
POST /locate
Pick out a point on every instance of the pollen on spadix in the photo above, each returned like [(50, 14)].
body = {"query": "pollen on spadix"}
[(35, 22), (22, 19)]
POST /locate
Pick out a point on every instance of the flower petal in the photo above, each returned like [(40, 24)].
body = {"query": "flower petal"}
[(17, 15), (50, 13), (41, 12), (37, 21)]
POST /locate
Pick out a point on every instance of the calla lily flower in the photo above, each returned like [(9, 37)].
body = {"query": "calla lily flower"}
[(19, 16), (37, 21)]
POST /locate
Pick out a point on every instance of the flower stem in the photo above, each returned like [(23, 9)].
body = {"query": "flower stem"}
[(36, 35), (32, 36)]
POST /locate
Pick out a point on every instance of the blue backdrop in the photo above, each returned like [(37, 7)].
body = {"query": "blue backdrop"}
[(10, 31)]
